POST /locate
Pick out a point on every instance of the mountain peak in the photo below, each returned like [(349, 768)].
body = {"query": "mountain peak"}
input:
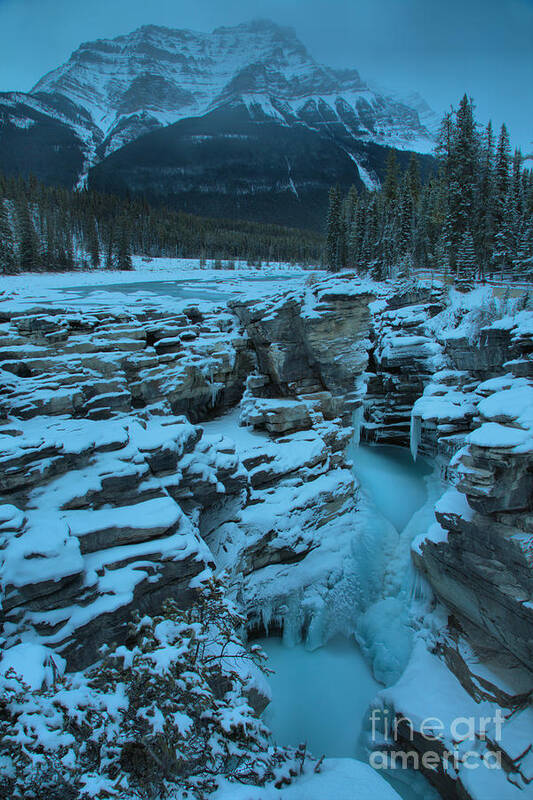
[(155, 76), (194, 117)]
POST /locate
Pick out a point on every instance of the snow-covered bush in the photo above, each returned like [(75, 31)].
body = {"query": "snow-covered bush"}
[(480, 317), (167, 710), (467, 314)]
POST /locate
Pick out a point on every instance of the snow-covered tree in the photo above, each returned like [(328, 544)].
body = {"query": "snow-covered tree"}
[(523, 260), (474, 214), (466, 257), (168, 711)]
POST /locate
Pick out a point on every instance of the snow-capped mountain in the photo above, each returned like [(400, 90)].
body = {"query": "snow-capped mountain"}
[(111, 92), (157, 76)]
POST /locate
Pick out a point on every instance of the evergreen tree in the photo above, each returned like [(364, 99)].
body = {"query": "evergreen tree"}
[(502, 167), (516, 179), (350, 207), (372, 242), (504, 240), (110, 246), (464, 168), (124, 246), (406, 222), (50, 244), (356, 233), (523, 261), (421, 236), (466, 257), (28, 242), (93, 244), (68, 248), (415, 184), (485, 227), (458, 222), (335, 245), (7, 247), (443, 149), (390, 186)]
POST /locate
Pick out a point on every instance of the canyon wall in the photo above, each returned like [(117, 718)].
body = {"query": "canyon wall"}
[(114, 498), (467, 379)]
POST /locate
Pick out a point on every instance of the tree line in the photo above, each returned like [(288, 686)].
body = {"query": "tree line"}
[(473, 216), (46, 228)]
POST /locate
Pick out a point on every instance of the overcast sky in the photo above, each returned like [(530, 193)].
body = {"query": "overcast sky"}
[(440, 49)]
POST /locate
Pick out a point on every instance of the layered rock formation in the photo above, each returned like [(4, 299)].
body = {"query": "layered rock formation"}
[(475, 417), (402, 360), (112, 501), (63, 361), (314, 341)]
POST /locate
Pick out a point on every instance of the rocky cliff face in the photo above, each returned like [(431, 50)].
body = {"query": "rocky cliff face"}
[(474, 416), (403, 358), (112, 502), (145, 444), (97, 469), (321, 342)]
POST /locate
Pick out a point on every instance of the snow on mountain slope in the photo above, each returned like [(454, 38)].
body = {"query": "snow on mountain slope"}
[(157, 76)]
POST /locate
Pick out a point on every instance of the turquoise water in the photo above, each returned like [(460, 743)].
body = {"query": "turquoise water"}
[(320, 696), (392, 479)]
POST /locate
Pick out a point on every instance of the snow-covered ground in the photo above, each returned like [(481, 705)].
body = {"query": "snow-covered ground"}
[(170, 280), (339, 779), (154, 269)]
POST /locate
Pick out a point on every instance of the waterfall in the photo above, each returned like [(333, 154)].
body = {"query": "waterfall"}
[(404, 493)]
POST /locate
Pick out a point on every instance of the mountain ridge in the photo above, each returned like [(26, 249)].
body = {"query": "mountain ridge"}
[(113, 92), (170, 74)]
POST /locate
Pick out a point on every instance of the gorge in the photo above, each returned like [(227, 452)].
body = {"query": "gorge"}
[(151, 438)]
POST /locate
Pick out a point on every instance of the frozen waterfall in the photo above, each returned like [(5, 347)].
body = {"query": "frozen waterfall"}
[(323, 696)]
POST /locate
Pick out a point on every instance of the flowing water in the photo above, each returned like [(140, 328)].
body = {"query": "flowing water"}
[(321, 697)]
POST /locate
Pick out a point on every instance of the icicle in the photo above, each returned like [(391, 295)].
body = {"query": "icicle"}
[(357, 420), (266, 616), (420, 593), (213, 387), (214, 393), (414, 438)]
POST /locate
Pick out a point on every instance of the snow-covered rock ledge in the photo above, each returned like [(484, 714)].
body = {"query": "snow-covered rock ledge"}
[(474, 413), (112, 501)]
